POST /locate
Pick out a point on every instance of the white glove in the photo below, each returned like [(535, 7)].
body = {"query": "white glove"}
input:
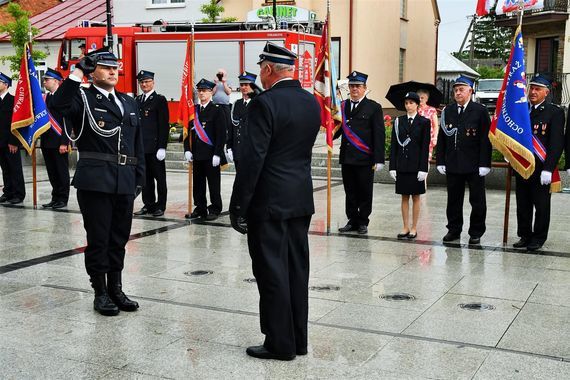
[(160, 154), (484, 171), (230, 155), (545, 177), (441, 169), (422, 176), (378, 167), (188, 156), (568, 171), (393, 174), (215, 161)]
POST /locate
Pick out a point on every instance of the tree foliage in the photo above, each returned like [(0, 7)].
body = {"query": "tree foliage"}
[(19, 30), (212, 11), (488, 72), (489, 40)]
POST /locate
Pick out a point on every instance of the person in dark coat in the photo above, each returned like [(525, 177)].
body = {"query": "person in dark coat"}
[(153, 110), (273, 189), (533, 194), (109, 174), (239, 117), (361, 152), (409, 155), (207, 152), (14, 190), (463, 154), (55, 147)]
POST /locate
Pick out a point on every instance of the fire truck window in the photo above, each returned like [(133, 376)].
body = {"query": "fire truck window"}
[(214, 55), (78, 49), (252, 50)]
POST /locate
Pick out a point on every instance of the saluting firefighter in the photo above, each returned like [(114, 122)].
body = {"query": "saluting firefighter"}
[(239, 117), (110, 171), (153, 110), (361, 152), (208, 135), (14, 190), (533, 194), (55, 147), (463, 154)]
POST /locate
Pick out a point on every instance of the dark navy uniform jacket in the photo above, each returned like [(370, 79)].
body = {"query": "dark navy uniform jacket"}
[(367, 122), (93, 174), (239, 115), (414, 156), (6, 109), (154, 120), (469, 149), (547, 124), (274, 180), (50, 139), (214, 121)]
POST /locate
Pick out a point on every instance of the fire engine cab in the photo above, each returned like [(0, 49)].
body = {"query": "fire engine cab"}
[(162, 50)]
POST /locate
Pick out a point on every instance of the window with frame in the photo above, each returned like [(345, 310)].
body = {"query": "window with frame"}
[(335, 52)]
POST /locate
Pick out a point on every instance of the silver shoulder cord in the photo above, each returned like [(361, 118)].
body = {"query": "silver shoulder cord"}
[(234, 122), (98, 130), (408, 139), (448, 132)]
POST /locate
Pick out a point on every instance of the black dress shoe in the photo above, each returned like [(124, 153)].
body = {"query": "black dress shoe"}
[(49, 204), (450, 236), (403, 236), (197, 214), (104, 306), (261, 352), (158, 212), (59, 204), (115, 291), (142, 211), (412, 236), (362, 230), (212, 216), (3, 198), (522, 243), (474, 240), (534, 246), (15, 201), (349, 227)]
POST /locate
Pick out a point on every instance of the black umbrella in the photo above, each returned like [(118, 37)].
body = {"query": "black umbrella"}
[(397, 92)]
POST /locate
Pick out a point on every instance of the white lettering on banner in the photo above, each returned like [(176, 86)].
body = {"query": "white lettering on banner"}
[(40, 115), (19, 99), (508, 120)]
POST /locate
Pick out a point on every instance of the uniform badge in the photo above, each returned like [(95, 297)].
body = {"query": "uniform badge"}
[(101, 123), (354, 73), (99, 96), (146, 112), (467, 132), (204, 124)]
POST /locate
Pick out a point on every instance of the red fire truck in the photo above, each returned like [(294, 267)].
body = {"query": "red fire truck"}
[(162, 51)]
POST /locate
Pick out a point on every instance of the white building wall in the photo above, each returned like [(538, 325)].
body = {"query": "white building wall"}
[(129, 12)]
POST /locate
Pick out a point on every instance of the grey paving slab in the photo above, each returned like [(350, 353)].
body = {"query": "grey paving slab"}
[(507, 366), (504, 288)]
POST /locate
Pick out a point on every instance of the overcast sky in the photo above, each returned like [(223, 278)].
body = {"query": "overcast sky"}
[(454, 22)]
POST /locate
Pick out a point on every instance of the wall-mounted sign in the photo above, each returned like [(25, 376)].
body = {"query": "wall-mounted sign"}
[(287, 13)]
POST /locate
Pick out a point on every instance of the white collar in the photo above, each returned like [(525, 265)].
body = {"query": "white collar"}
[(281, 80), (464, 106), (411, 116), (359, 100), (3, 95), (538, 105), (205, 105), (105, 92), (147, 94)]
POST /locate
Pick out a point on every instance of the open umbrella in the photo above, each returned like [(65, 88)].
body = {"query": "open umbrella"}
[(397, 92)]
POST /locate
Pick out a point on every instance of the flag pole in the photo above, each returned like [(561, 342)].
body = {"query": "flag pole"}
[(191, 164), (34, 157), (329, 148)]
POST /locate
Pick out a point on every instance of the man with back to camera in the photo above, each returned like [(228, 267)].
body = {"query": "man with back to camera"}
[(273, 189), (109, 174), (153, 110), (463, 154)]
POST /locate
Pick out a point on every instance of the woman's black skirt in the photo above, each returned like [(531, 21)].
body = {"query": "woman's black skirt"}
[(408, 184)]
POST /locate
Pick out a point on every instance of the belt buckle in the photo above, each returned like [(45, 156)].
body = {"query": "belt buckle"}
[(122, 159)]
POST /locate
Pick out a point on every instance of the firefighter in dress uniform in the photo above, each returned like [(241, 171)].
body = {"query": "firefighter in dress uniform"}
[(109, 174), (153, 110), (239, 117), (208, 136), (463, 154)]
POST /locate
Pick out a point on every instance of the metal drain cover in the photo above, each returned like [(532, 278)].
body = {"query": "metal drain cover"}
[(324, 288), (477, 306), (398, 297), (198, 273), (250, 280)]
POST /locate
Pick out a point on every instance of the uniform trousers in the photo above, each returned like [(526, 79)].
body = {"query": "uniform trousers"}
[(204, 171), (477, 199), (57, 166), (358, 181), (155, 171), (12, 174), (532, 196), (279, 251), (107, 219)]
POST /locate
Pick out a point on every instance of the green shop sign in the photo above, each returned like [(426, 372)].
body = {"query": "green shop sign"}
[(284, 12)]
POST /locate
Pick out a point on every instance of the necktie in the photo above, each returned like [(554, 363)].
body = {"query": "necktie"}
[(460, 110), (354, 104), (410, 121), (114, 101)]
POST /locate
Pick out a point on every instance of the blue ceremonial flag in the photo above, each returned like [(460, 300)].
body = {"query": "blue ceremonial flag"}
[(30, 118), (510, 131)]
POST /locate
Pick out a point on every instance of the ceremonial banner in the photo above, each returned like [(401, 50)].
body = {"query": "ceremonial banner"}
[(510, 131), (484, 7), (30, 117), (507, 6), (186, 106)]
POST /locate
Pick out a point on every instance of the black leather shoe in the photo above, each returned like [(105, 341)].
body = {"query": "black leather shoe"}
[(102, 302), (450, 236), (403, 236), (115, 290), (15, 201), (158, 212), (362, 230), (261, 352), (142, 211), (522, 243), (3, 198), (349, 227), (474, 240), (59, 204), (412, 236), (534, 246), (212, 216), (49, 204), (197, 214)]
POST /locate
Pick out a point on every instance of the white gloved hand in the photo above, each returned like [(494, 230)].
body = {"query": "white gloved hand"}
[(378, 167), (215, 161), (230, 155), (393, 174), (422, 176), (568, 171), (484, 171), (161, 154), (441, 169), (188, 156), (545, 177)]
